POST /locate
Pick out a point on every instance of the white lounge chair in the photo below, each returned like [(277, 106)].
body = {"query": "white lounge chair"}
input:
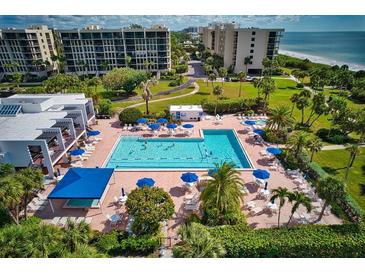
[(88, 220), (55, 220), (80, 219), (255, 211), (62, 222)]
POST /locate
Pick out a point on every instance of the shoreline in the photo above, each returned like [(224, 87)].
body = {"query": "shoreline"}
[(321, 60)]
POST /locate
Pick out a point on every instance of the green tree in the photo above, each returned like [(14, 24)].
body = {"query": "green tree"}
[(294, 99), (297, 141), (212, 78), (17, 78), (217, 91), (266, 86), (280, 119), (246, 62), (146, 92), (302, 102), (222, 195), (105, 107), (282, 194), (319, 107), (314, 145), (241, 76), (196, 242), (299, 199), (6, 169), (11, 194), (129, 116), (76, 234), (222, 73), (354, 150)]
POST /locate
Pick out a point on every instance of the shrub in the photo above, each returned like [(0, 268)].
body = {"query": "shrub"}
[(275, 137), (181, 68), (130, 116), (139, 245), (174, 83), (230, 106), (315, 171), (105, 107), (300, 85), (334, 136)]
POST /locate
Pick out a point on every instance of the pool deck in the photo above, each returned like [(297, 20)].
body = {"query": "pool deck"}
[(170, 181)]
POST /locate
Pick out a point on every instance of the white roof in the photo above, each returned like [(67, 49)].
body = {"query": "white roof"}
[(57, 99), (27, 126), (186, 108)]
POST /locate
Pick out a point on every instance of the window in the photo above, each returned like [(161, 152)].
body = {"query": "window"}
[(253, 39), (251, 50), (251, 56), (252, 45), (254, 32)]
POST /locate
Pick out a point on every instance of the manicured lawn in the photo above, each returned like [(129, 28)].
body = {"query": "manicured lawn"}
[(335, 161)]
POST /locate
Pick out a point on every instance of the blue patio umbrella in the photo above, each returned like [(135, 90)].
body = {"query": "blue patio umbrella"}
[(93, 133), (212, 171), (259, 131), (189, 177), (154, 126), (274, 150), (250, 122), (142, 120), (261, 174), (161, 120), (76, 152), (188, 126), (145, 182), (171, 126)]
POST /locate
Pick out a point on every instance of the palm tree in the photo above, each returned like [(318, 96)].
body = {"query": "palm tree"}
[(223, 192), (128, 60), (294, 99), (299, 199), (267, 87), (246, 62), (303, 101), (212, 78), (280, 193), (76, 234), (280, 118), (297, 141), (241, 75), (11, 193), (354, 151), (217, 91), (314, 145), (46, 239), (222, 73), (147, 94), (196, 242), (330, 189)]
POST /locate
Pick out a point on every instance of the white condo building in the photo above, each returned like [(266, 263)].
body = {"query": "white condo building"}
[(94, 50), (24, 51), (234, 44), (38, 130)]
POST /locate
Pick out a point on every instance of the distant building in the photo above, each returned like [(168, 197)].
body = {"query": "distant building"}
[(39, 130), (95, 51), (234, 44), (27, 51)]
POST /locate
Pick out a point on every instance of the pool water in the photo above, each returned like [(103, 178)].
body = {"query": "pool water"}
[(82, 203), (216, 146)]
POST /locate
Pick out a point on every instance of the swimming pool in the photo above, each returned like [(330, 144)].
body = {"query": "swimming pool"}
[(216, 146)]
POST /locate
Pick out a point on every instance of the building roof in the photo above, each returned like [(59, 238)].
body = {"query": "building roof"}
[(57, 99), (82, 183), (26, 126), (186, 108)]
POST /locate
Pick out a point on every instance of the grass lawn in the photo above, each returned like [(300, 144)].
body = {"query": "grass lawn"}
[(335, 161)]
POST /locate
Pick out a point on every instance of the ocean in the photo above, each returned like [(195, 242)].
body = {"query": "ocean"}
[(333, 48)]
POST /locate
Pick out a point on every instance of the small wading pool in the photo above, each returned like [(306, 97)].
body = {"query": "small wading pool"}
[(82, 203), (216, 146)]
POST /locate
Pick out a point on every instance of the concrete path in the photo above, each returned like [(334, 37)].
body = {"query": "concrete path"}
[(335, 147)]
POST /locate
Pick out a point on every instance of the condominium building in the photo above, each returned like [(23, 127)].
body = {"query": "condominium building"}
[(236, 44), (27, 51), (38, 130), (94, 50)]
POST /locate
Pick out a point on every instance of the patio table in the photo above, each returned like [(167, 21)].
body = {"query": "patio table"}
[(115, 218), (123, 199)]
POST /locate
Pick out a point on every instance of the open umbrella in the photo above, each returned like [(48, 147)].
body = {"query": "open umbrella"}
[(274, 150), (171, 126), (250, 122), (142, 120), (161, 120), (188, 126), (259, 131), (149, 182), (154, 126), (93, 133), (77, 152), (189, 178), (261, 174)]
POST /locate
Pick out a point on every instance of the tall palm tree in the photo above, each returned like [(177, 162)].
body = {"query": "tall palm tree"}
[(297, 141), (212, 78), (281, 193), (217, 91), (246, 62), (280, 118), (11, 193), (267, 87), (241, 76), (314, 145), (146, 92), (223, 192), (294, 99), (76, 234), (331, 190), (303, 101), (222, 73), (297, 199), (196, 242), (354, 151)]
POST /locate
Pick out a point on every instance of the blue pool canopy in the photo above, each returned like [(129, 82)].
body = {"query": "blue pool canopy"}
[(274, 150), (76, 152), (250, 122), (189, 177), (261, 174), (154, 126), (82, 183), (188, 126), (259, 131), (145, 182), (142, 120), (171, 126), (162, 120), (93, 133)]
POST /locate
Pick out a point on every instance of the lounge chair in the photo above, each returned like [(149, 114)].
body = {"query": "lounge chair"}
[(88, 220), (41, 196), (80, 219), (55, 220), (255, 211), (62, 222)]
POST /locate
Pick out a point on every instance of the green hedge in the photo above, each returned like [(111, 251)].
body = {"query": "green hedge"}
[(130, 116), (230, 106), (306, 241)]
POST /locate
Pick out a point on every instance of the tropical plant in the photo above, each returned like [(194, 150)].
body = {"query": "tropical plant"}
[(241, 76), (17, 78), (217, 91), (298, 199), (222, 195), (294, 99), (11, 194), (297, 141), (146, 92), (354, 150), (246, 62), (105, 107), (129, 116), (212, 78), (303, 101), (280, 118), (314, 145), (76, 234), (319, 108), (282, 194), (196, 242), (266, 86), (222, 73)]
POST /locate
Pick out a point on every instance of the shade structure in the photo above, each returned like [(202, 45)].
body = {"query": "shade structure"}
[(154, 126), (76, 152), (250, 122), (82, 183), (274, 150), (212, 171), (261, 174), (259, 131), (142, 120), (93, 133), (188, 126), (145, 182), (171, 126), (189, 177), (161, 120)]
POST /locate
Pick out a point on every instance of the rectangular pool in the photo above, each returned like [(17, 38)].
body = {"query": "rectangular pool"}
[(216, 146)]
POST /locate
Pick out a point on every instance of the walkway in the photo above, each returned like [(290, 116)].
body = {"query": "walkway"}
[(335, 147)]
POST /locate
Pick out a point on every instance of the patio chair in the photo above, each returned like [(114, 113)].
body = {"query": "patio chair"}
[(41, 196), (33, 208), (55, 220), (80, 219), (88, 220), (255, 211), (62, 222)]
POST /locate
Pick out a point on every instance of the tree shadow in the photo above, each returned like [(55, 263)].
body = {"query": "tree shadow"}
[(177, 191), (362, 189), (332, 171), (363, 169)]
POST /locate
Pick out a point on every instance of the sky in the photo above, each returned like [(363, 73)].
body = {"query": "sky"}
[(290, 23)]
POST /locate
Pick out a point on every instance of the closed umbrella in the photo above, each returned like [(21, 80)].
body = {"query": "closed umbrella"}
[(261, 174), (77, 152), (161, 120), (142, 120), (149, 182), (259, 131), (93, 133), (274, 150), (154, 126)]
